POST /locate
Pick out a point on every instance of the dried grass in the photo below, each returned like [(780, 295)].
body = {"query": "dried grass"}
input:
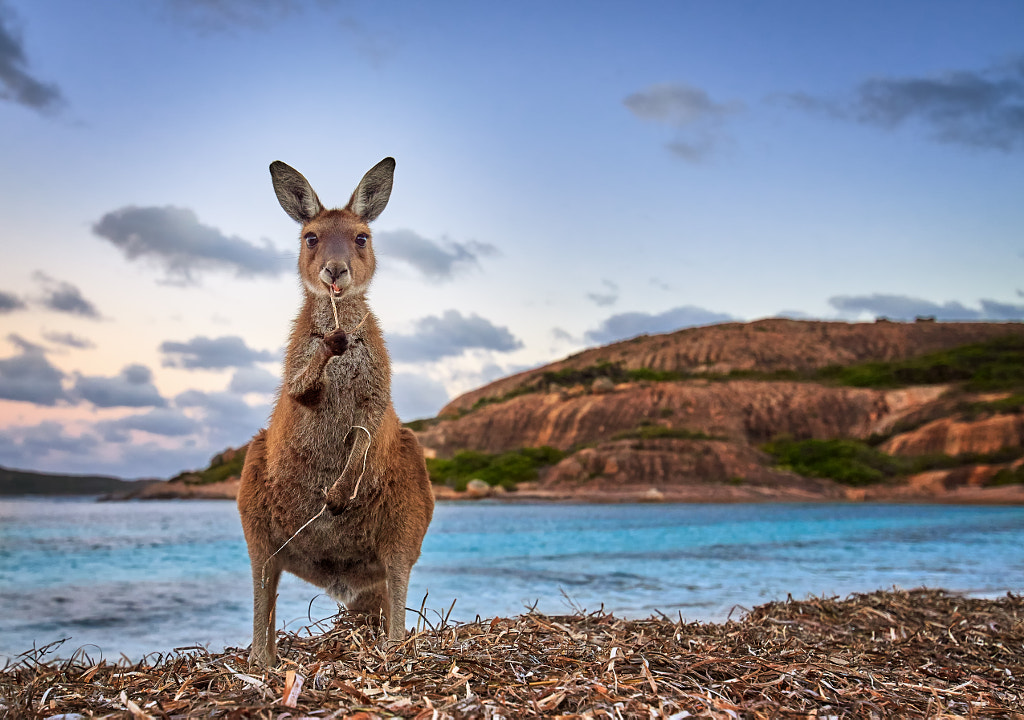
[(923, 653)]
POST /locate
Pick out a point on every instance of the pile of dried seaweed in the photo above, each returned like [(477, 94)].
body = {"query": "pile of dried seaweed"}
[(886, 654)]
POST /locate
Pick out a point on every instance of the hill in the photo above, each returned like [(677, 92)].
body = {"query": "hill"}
[(770, 410), (24, 482), (774, 409)]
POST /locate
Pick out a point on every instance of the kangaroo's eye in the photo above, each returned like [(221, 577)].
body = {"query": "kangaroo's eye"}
[(361, 239), (310, 239)]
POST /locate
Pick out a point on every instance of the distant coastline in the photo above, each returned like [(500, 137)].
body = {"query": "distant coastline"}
[(26, 482)]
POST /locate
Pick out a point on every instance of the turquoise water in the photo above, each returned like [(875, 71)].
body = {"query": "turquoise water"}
[(134, 578)]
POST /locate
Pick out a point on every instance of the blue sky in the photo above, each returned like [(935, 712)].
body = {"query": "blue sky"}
[(568, 174)]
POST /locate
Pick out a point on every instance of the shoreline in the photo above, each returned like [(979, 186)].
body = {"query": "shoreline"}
[(677, 494), (887, 653)]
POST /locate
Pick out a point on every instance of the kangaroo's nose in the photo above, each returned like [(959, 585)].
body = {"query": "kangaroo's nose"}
[(335, 270)]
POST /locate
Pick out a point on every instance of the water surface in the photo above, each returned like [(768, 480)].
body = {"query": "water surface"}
[(150, 576)]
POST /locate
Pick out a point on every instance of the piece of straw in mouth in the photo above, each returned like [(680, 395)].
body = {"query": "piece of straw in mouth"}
[(337, 321)]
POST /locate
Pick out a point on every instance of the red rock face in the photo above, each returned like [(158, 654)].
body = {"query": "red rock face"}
[(719, 424), (765, 346), (950, 436), (742, 412)]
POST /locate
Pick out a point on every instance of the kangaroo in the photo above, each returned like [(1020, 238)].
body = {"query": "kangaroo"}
[(334, 441)]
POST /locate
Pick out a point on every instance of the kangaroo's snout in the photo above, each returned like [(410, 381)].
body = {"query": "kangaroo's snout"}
[(335, 274)]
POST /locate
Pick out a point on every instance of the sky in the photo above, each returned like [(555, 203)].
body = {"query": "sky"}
[(568, 174)]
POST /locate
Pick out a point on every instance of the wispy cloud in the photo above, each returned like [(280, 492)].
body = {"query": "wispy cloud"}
[(69, 340), (10, 302), (904, 307), (203, 353), (230, 15), (253, 380), (32, 445), (417, 396), (609, 297), (167, 422), (631, 324), (29, 376), (132, 387), (976, 108), (437, 261), (174, 240), (449, 335), (227, 419), (62, 296), (17, 84), (698, 121)]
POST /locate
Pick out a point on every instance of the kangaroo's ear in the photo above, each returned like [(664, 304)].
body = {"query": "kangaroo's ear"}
[(294, 193), (373, 192)]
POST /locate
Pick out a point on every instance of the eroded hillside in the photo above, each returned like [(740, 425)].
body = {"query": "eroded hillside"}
[(686, 416)]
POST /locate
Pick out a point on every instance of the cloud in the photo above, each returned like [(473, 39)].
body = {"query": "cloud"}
[(697, 119), (253, 380), (436, 261), (229, 15), (10, 302), (49, 447), (69, 339), (416, 396), (61, 296), (167, 422), (173, 239), (132, 387), (609, 297), (903, 307), (16, 83), (982, 109), (449, 335), (203, 353), (226, 417), (29, 446), (29, 376), (631, 324)]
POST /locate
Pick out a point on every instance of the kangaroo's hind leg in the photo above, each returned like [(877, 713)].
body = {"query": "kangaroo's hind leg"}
[(266, 568), (398, 588), (264, 612)]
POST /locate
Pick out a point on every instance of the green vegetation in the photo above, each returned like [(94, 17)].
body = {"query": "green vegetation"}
[(218, 471), (651, 432), (421, 424), (994, 365), (1007, 476), (507, 469), (847, 461), (641, 374), (854, 462), (1013, 403), (568, 377), (989, 366)]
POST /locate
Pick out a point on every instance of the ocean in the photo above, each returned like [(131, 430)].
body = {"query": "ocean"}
[(142, 577)]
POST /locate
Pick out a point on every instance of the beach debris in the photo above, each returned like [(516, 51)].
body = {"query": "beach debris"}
[(919, 653), (292, 687)]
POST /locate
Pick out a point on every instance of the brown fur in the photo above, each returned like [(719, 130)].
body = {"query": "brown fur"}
[(312, 453)]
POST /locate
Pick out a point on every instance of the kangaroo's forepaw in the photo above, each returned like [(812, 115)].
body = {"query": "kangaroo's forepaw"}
[(336, 341)]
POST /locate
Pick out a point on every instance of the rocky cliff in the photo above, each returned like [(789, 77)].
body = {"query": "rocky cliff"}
[(694, 431), (771, 345)]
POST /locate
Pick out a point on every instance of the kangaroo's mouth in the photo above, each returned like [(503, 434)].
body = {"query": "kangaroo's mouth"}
[(336, 291)]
